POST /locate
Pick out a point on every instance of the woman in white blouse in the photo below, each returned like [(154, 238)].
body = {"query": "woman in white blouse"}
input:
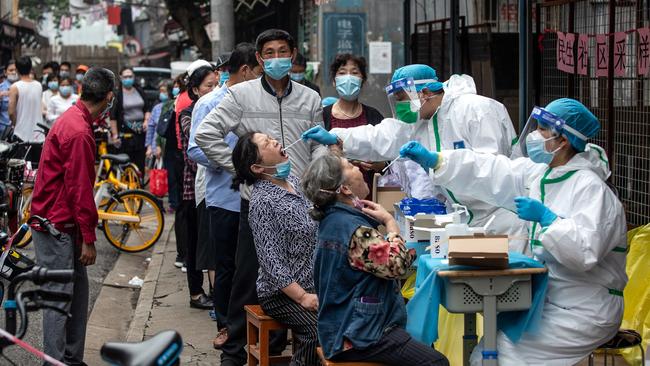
[(61, 102)]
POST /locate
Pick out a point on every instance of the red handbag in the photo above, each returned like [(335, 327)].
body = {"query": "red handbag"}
[(158, 181)]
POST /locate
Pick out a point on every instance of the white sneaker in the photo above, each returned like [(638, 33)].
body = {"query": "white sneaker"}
[(184, 269), (178, 264)]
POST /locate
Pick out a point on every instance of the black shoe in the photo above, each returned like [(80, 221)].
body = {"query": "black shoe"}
[(203, 302)]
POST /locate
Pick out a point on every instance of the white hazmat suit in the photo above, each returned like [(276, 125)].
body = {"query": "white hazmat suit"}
[(583, 249), (464, 120)]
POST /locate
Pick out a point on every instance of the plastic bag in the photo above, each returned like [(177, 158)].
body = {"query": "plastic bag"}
[(408, 290), (637, 292), (158, 181)]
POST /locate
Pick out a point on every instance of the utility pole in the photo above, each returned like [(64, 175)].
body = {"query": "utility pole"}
[(14, 12), (223, 13)]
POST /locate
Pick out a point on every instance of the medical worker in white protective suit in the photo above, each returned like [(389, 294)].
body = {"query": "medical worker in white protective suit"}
[(441, 117), (577, 227)]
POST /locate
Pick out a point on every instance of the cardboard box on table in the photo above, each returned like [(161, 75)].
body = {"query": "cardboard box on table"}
[(479, 251)]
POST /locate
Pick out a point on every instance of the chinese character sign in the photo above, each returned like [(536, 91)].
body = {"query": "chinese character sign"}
[(564, 49), (643, 54), (620, 48), (582, 54), (602, 55), (344, 33)]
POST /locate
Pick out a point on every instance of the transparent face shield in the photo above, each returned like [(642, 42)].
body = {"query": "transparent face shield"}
[(404, 100), (541, 119)]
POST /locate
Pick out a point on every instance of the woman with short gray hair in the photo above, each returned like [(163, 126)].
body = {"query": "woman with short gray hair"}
[(361, 315)]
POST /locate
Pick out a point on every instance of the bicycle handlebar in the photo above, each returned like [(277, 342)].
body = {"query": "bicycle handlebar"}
[(46, 224)]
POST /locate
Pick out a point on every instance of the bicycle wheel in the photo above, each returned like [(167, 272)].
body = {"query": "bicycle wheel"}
[(133, 236), (131, 176), (24, 212)]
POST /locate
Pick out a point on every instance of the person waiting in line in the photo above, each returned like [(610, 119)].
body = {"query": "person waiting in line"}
[(282, 109), (297, 73), (348, 74), (52, 89), (187, 223), (78, 77), (65, 70), (285, 239), (222, 202), (361, 315), (576, 223), (129, 116), (49, 68), (164, 95), (25, 103), (62, 101)]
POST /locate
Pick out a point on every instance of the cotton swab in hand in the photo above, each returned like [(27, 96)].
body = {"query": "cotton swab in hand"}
[(291, 144), (391, 163)]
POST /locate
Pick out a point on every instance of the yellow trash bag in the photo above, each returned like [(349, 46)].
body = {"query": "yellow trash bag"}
[(451, 328), (637, 292), (408, 290)]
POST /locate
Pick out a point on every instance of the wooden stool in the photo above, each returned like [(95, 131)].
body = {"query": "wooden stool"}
[(326, 362), (259, 326)]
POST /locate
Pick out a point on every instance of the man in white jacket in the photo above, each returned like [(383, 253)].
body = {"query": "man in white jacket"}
[(450, 116)]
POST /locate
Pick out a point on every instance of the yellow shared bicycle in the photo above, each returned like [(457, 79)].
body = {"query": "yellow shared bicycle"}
[(131, 219)]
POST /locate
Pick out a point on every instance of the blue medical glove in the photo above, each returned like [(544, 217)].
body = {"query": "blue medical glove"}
[(533, 210), (320, 135), (419, 154)]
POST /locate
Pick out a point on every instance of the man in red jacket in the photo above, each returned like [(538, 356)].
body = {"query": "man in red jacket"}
[(63, 193)]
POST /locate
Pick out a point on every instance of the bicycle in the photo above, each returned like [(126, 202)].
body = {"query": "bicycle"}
[(127, 172), (124, 211), (18, 177)]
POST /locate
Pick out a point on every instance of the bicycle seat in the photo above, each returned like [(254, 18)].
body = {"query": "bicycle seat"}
[(116, 158), (163, 348)]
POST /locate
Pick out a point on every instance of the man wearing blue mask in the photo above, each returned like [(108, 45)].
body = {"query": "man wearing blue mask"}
[(283, 109), (576, 223), (297, 74)]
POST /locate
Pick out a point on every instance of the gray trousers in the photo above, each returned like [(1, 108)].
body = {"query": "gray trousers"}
[(64, 338)]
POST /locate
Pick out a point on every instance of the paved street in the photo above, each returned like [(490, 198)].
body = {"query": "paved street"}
[(106, 257)]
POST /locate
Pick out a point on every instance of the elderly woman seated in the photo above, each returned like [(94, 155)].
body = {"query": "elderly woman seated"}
[(285, 239), (362, 314)]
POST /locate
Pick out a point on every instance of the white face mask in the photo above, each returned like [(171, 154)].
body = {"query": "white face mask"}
[(12, 77)]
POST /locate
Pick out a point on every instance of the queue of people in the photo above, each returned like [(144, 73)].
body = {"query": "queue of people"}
[(269, 189)]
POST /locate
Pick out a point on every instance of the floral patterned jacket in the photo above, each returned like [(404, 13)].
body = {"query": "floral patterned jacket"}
[(388, 258)]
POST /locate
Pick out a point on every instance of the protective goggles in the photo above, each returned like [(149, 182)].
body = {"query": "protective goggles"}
[(543, 119), (404, 100)]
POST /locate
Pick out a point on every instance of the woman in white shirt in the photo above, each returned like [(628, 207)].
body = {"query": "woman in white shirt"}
[(62, 101), (52, 90)]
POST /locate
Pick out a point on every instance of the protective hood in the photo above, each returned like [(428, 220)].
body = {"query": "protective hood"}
[(458, 85), (593, 158)]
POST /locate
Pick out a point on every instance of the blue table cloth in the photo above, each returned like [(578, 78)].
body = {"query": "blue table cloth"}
[(422, 309)]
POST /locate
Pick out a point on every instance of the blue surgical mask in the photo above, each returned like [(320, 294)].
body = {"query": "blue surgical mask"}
[(176, 91), (277, 68), (53, 85), (297, 76), (79, 77), (348, 86), (536, 148), (223, 77), (65, 91), (128, 82), (163, 97), (282, 170), (64, 74)]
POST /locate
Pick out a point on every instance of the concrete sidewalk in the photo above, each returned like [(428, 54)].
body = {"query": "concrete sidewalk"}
[(164, 304)]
